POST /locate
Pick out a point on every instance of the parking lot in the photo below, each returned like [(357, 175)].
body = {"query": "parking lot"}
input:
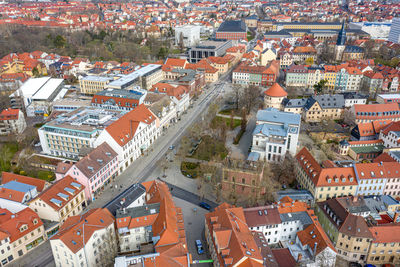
[(194, 228)]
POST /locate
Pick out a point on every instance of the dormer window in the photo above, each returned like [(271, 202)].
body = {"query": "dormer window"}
[(329, 180), (35, 221)]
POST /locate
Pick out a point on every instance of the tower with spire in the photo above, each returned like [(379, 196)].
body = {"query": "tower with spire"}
[(340, 43)]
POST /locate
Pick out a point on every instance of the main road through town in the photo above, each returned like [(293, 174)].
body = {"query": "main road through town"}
[(140, 169)]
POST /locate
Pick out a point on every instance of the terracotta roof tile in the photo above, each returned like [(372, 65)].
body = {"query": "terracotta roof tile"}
[(80, 228), (39, 183)]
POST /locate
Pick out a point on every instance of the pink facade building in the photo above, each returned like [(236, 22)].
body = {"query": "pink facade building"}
[(94, 171)]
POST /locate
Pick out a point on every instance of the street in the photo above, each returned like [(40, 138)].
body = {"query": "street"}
[(140, 170)]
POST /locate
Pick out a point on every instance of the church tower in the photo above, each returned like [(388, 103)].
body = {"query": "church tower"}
[(340, 44)]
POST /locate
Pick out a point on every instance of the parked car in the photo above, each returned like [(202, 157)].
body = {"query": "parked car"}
[(199, 246), (171, 147), (204, 205)]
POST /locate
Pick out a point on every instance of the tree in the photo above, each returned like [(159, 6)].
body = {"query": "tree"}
[(162, 53), (181, 42), (59, 41), (231, 121), (251, 97), (243, 123), (309, 61), (320, 86), (349, 117), (283, 172), (35, 72), (237, 93)]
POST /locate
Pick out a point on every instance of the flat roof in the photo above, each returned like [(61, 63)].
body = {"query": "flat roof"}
[(47, 89), (134, 75), (32, 85), (17, 186), (388, 96), (121, 93), (95, 78)]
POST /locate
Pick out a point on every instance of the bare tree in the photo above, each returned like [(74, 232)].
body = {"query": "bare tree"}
[(349, 117), (237, 94), (251, 97)]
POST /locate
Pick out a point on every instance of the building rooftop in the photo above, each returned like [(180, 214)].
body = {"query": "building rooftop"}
[(38, 183), (47, 89), (131, 78), (120, 93), (97, 159), (77, 230), (84, 119), (126, 199), (95, 78), (17, 186), (232, 26), (275, 116), (61, 193)]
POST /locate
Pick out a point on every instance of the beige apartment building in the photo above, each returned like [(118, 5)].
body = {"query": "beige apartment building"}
[(21, 232), (65, 198), (323, 183), (385, 248), (91, 84)]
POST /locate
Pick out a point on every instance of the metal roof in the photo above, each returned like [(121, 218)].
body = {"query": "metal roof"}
[(17, 186)]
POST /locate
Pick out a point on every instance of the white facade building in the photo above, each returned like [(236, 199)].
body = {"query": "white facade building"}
[(394, 34), (12, 121), (131, 135), (88, 240), (190, 35), (276, 133)]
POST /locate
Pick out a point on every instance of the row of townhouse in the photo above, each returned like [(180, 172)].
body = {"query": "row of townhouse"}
[(297, 55), (339, 78), (333, 180), (247, 74), (291, 224), (363, 229), (344, 77)]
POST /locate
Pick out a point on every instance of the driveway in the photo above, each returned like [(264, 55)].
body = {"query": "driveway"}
[(194, 228)]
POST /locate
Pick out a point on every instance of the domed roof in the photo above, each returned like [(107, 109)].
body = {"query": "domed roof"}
[(276, 91)]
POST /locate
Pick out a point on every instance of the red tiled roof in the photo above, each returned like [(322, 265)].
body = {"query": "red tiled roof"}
[(80, 228), (60, 187), (13, 195), (385, 233), (276, 91), (11, 223), (230, 231), (39, 183), (337, 176), (315, 234), (9, 114), (124, 129)]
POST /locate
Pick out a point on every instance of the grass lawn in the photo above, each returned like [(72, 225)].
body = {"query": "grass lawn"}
[(210, 148), (236, 112), (45, 175), (218, 120), (175, 51), (190, 168), (250, 36), (7, 152)]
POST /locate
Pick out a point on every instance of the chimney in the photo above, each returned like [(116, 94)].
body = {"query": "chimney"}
[(395, 217), (315, 249), (299, 256)]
